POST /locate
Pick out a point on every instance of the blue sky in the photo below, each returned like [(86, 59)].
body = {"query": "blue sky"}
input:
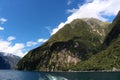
[(26, 24)]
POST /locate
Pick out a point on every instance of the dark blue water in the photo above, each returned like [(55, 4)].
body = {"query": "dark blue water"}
[(27, 75)]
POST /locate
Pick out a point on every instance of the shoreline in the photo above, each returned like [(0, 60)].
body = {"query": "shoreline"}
[(79, 71), (63, 71)]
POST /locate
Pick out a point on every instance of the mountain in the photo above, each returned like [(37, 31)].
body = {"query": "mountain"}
[(109, 57), (115, 32), (72, 44), (8, 61)]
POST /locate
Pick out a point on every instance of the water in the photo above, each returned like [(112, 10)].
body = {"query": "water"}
[(29, 75)]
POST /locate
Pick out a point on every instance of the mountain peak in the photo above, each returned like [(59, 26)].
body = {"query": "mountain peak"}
[(70, 45), (109, 56)]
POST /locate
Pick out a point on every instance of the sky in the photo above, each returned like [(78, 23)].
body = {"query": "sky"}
[(26, 24)]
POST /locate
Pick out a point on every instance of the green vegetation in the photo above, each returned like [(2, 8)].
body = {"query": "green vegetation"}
[(104, 60), (83, 44), (109, 57)]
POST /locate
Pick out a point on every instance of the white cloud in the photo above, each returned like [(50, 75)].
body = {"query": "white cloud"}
[(3, 20), (16, 49), (41, 40), (1, 28), (19, 49), (10, 38), (92, 8), (31, 43), (4, 45)]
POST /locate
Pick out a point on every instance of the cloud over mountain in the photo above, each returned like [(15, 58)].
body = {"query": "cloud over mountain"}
[(18, 49), (92, 8), (8, 47)]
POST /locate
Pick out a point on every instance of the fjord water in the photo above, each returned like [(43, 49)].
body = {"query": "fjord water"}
[(29, 75)]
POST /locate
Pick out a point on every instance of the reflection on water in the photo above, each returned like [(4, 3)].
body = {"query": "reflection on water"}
[(50, 77), (47, 76)]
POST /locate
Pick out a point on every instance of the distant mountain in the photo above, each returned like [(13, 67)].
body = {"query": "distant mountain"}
[(74, 43), (8, 61)]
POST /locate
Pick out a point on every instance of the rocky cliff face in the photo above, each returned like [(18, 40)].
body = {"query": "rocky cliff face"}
[(75, 42)]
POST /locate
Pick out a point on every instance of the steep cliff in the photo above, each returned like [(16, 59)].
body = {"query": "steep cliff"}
[(75, 42)]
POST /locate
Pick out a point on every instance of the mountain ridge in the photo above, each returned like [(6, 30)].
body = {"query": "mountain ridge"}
[(108, 58), (73, 43)]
